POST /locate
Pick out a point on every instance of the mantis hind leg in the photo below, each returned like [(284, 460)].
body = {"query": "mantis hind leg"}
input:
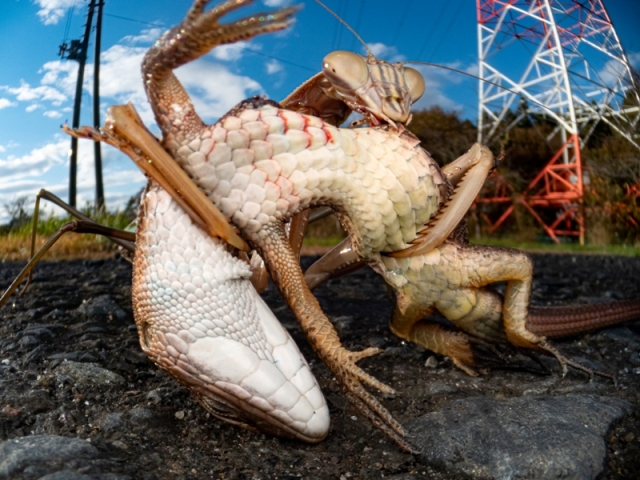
[(84, 225)]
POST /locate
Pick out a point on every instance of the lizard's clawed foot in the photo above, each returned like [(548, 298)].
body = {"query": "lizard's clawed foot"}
[(351, 379), (206, 28), (566, 362), (488, 357)]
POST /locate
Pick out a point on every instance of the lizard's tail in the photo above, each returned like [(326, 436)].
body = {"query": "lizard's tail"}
[(564, 321)]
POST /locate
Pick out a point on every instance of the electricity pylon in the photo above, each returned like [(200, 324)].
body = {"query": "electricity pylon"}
[(562, 60)]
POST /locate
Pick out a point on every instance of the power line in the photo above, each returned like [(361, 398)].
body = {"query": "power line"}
[(258, 52), (426, 41), (401, 23), (68, 25), (134, 20), (442, 37)]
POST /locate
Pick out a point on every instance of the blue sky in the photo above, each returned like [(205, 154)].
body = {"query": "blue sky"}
[(37, 87)]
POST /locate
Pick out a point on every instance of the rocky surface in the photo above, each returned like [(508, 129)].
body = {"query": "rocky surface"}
[(79, 400)]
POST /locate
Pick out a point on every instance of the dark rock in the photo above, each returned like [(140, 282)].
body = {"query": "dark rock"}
[(89, 374), (36, 354), (527, 437), (140, 415), (66, 475), (38, 401), (40, 331), (42, 454), (28, 341), (37, 397), (111, 422), (102, 308), (155, 396)]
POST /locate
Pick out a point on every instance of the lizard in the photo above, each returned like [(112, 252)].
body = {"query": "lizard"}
[(261, 165), (198, 315), (147, 333)]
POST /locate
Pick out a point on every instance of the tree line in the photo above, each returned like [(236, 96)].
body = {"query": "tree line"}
[(611, 163)]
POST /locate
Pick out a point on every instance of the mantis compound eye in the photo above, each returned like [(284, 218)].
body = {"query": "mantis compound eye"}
[(415, 82), (345, 70)]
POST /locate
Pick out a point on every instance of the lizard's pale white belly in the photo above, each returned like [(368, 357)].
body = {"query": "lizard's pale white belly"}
[(200, 318)]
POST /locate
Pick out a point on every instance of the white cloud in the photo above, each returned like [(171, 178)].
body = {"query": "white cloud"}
[(214, 89), (381, 50), (25, 175), (230, 52), (62, 75), (436, 80), (37, 162), (27, 93), (120, 77), (472, 69), (146, 36), (5, 102), (613, 70), (3, 148), (273, 66), (51, 11), (276, 3)]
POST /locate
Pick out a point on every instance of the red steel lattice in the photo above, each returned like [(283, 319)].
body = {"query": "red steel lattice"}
[(576, 74)]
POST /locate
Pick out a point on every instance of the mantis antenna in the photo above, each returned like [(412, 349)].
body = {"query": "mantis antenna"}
[(429, 64), (355, 34)]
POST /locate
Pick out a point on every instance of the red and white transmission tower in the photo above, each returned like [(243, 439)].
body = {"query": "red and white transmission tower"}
[(564, 61)]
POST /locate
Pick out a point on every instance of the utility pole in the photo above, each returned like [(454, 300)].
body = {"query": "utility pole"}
[(77, 50), (96, 109)]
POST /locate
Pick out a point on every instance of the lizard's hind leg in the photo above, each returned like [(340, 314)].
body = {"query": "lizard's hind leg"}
[(484, 265), (482, 327)]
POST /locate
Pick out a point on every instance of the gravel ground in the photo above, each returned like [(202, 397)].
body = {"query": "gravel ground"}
[(79, 400)]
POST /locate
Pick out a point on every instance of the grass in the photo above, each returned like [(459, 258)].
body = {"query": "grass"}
[(624, 250), (16, 243)]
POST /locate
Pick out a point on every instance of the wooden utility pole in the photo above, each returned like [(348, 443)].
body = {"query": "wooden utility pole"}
[(77, 50), (96, 109)]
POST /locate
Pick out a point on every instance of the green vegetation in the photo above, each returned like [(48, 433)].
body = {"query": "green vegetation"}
[(15, 237), (611, 164), (572, 247)]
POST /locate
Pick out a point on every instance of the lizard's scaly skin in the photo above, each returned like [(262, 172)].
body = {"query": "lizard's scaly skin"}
[(200, 319), (261, 164), (256, 162), (567, 320)]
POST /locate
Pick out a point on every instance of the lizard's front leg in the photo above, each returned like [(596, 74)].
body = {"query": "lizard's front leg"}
[(273, 245)]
